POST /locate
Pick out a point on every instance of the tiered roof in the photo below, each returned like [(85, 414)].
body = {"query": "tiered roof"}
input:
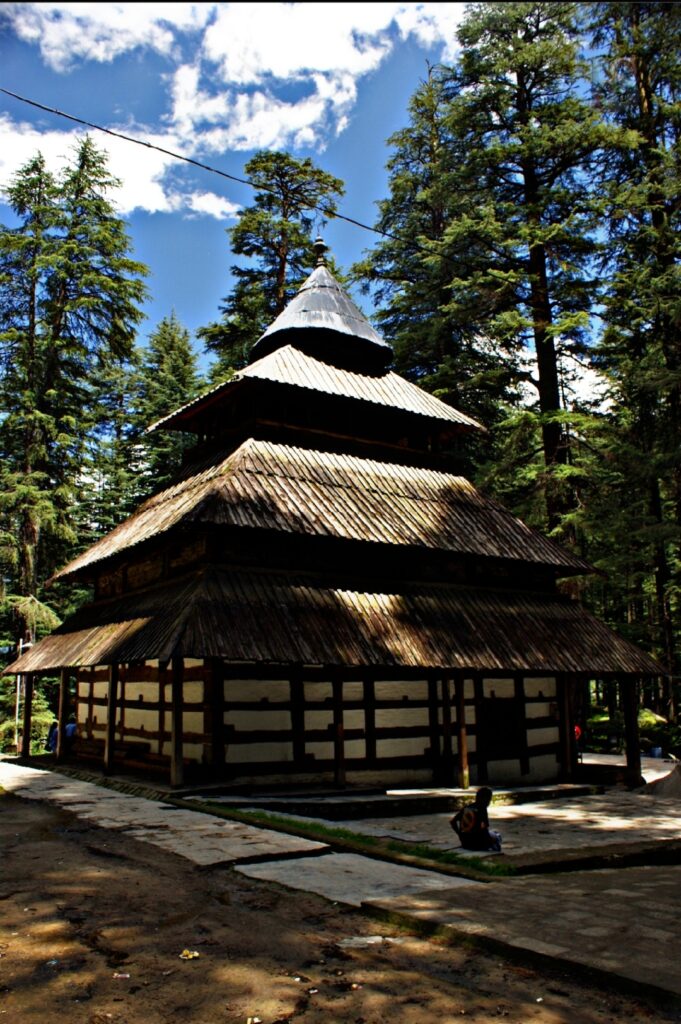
[(341, 615)]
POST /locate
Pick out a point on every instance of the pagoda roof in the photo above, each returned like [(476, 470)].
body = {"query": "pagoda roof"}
[(280, 619), (292, 490), (322, 305), (289, 365)]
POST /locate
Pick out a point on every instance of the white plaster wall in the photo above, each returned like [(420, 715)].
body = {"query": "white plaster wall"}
[(239, 753), (404, 746), (254, 721), (537, 710), (387, 689), (498, 687), (536, 737), (546, 687), (388, 719), (270, 691)]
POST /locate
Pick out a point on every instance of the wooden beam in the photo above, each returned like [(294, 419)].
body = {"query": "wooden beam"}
[(464, 779), (521, 714), (111, 695), (480, 748), (566, 730), (629, 698), (447, 751), (63, 713), (369, 686), (297, 696), (338, 731), (213, 716), (28, 716), (434, 728), (176, 746)]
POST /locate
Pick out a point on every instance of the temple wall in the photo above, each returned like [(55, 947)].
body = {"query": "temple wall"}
[(389, 729)]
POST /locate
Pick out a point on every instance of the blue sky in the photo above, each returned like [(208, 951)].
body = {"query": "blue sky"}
[(216, 83)]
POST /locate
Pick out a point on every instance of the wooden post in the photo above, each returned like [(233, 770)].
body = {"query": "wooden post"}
[(434, 728), (521, 716), (213, 715), (297, 692), (338, 732), (480, 726), (369, 685), (566, 733), (63, 714), (447, 752), (177, 704), (28, 716), (111, 695), (629, 699), (461, 735)]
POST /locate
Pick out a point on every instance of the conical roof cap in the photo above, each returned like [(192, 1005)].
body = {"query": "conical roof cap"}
[(319, 311)]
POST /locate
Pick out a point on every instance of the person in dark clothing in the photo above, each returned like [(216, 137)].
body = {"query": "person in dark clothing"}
[(51, 741), (471, 824)]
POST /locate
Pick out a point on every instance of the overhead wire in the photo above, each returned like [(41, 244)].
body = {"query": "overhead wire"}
[(325, 211)]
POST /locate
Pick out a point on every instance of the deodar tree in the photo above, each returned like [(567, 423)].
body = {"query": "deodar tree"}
[(275, 235), (69, 305)]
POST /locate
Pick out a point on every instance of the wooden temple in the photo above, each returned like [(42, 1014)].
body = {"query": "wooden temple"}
[(320, 597)]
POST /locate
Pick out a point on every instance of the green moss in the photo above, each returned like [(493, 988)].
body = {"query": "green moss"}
[(392, 850)]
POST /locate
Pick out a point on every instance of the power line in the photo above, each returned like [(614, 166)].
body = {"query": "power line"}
[(325, 211)]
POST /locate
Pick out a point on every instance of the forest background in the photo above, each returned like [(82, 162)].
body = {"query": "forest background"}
[(526, 270)]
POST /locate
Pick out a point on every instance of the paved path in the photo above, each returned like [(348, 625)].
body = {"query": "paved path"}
[(200, 838), (624, 921)]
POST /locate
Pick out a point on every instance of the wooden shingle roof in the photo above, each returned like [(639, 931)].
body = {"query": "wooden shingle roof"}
[(291, 366), (300, 491), (269, 618)]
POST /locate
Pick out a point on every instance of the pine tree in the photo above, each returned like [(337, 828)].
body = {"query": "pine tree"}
[(167, 379), (275, 233), (69, 305), (639, 91), (437, 343)]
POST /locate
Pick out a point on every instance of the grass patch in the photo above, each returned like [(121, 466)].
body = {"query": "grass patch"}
[(416, 854)]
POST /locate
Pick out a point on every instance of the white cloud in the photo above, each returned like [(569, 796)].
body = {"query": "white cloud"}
[(245, 56), (143, 172), (67, 32), (241, 76), (213, 205)]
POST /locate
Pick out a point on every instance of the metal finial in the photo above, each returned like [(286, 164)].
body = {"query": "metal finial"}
[(320, 247)]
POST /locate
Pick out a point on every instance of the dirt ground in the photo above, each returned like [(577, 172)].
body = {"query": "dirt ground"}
[(93, 925)]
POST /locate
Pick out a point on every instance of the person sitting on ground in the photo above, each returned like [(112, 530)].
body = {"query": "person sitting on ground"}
[(471, 824)]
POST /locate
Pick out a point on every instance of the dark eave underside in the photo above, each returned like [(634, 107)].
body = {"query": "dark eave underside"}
[(267, 619)]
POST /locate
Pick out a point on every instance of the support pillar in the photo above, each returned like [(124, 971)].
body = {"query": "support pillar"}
[(213, 716), (111, 702), (177, 705), (629, 699), (447, 752), (464, 780), (434, 729), (28, 716), (566, 733), (338, 732), (63, 713)]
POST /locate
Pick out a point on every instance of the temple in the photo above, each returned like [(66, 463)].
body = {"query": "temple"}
[(321, 597)]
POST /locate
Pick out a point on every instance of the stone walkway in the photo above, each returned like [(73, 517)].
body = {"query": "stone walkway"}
[(200, 838), (625, 922)]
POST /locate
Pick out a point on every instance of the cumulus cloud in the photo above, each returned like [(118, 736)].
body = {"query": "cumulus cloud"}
[(240, 76), (143, 173), (71, 32)]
